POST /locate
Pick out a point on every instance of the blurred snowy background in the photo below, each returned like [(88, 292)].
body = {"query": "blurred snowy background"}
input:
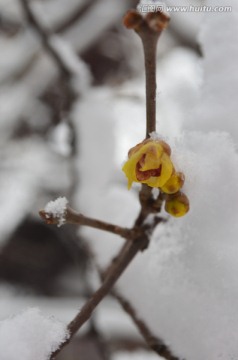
[(65, 129)]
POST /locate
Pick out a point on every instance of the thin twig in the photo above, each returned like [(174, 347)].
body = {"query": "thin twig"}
[(149, 41), (156, 344), (72, 217), (116, 269), (45, 36)]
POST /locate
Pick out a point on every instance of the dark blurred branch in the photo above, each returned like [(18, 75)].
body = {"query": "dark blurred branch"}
[(77, 14), (9, 26), (45, 38), (66, 74), (156, 344)]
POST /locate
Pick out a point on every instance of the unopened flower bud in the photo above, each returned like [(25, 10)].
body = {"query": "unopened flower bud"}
[(177, 204), (132, 19), (174, 184)]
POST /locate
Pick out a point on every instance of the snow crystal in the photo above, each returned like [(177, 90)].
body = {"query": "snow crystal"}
[(57, 209), (30, 335)]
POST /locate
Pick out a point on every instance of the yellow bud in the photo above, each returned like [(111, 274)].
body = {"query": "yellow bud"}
[(174, 184), (177, 204)]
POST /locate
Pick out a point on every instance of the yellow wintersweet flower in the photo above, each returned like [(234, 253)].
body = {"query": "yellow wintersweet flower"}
[(149, 163)]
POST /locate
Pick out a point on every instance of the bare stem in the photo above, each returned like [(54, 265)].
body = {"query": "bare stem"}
[(149, 41), (72, 217)]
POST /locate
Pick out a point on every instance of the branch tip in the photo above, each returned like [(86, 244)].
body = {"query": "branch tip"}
[(155, 21)]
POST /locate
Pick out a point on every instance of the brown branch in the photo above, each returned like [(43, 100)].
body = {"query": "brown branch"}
[(45, 36), (145, 197), (149, 41), (72, 217), (155, 343), (116, 269)]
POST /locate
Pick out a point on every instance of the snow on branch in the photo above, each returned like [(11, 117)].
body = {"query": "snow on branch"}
[(57, 209)]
